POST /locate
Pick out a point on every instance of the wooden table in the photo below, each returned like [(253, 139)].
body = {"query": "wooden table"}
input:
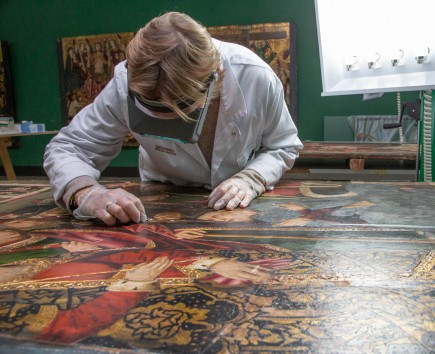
[(4, 154), (358, 153), (312, 267)]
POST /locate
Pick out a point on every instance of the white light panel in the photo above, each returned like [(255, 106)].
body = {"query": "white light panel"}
[(372, 46)]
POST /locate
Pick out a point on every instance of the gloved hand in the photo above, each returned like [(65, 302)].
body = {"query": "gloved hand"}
[(232, 193), (109, 205)]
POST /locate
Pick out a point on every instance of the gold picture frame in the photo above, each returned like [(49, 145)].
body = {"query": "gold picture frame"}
[(86, 65), (275, 43)]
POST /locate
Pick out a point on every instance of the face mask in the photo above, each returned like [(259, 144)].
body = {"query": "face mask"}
[(154, 119)]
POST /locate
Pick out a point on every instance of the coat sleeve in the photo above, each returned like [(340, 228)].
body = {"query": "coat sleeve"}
[(279, 143), (93, 138)]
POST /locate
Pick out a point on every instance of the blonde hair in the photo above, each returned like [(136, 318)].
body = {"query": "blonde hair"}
[(172, 58)]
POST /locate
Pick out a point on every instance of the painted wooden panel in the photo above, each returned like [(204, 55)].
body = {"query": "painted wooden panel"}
[(308, 267)]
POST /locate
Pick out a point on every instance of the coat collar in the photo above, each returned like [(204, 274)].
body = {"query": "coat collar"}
[(232, 99), (232, 108)]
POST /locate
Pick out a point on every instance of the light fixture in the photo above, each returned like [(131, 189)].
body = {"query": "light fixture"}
[(395, 39), (352, 63), (399, 33), (423, 57), (374, 61), (398, 58)]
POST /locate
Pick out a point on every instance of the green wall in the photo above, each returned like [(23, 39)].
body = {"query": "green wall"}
[(32, 27)]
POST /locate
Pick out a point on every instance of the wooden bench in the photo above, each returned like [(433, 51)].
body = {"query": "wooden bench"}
[(357, 153), (4, 154)]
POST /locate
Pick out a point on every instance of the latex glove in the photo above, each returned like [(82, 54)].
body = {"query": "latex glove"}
[(232, 193), (109, 205)]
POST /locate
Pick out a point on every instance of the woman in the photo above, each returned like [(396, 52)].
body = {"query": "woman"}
[(246, 143)]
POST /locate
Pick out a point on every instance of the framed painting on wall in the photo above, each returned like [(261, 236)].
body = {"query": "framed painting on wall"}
[(86, 65), (7, 108), (275, 43)]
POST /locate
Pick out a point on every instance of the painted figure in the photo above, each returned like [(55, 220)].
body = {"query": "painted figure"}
[(133, 261)]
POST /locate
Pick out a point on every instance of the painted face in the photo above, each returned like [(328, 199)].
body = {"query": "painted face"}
[(236, 215)]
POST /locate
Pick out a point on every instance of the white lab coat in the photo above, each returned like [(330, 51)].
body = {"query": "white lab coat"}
[(254, 130)]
